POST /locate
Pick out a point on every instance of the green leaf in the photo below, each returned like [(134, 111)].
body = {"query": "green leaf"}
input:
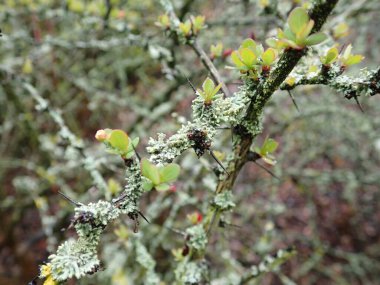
[(169, 173), (119, 140), (162, 187), (306, 30), (269, 56), (248, 57), (248, 43), (272, 42), (208, 86), (354, 59), (147, 185), (315, 39), (331, 56), (216, 89), (269, 146), (236, 60), (347, 51), (288, 34), (133, 144), (150, 171), (289, 43), (298, 19)]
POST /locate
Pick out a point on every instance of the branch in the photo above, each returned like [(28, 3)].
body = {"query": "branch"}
[(366, 83), (260, 95)]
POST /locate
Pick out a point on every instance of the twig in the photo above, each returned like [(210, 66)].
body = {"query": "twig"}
[(209, 65)]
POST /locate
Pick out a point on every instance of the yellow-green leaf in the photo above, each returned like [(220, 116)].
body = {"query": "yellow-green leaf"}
[(169, 173), (269, 56), (119, 140), (248, 57), (298, 19), (315, 39), (150, 171), (162, 187), (354, 59), (236, 59)]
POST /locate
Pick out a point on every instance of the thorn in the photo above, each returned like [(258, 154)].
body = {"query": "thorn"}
[(223, 224), (267, 170), (176, 231), (137, 154), (358, 103), (70, 200), (142, 215), (294, 101), (217, 160), (191, 84)]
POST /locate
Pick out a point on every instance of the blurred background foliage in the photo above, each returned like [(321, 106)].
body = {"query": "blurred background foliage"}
[(105, 64)]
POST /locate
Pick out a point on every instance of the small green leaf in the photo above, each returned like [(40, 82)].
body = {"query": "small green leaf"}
[(236, 60), (248, 57), (169, 173), (249, 43), (150, 171), (354, 59), (216, 50), (119, 140), (306, 30), (288, 34), (269, 146), (216, 89), (198, 23), (133, 144), (268, 56), (147, 185), (272, 42), (331, 56), (347, 51), (208, 86), (315, 39), (185, 28), (298, 19), (162, 187)]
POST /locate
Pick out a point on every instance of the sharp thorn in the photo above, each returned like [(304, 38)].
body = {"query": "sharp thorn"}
[(191, 84), (137, 154), (69, 199), (358, 103), (217, 160), (142, 215), (176, 231), (294, 101), (267, 170)]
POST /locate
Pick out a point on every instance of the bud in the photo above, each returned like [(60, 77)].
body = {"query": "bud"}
[(195, 218), (101, 135), (227, 52)]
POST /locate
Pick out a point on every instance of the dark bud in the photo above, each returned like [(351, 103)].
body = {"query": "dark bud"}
[(185, 250)]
